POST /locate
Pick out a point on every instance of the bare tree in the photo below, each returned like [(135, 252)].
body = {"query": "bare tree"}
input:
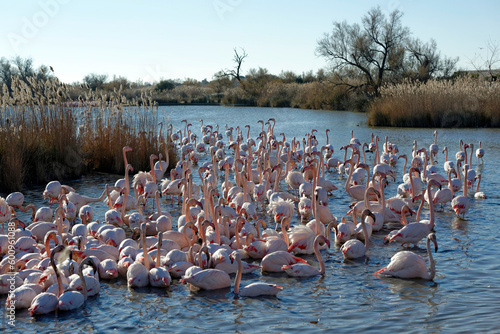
[(424, 61), (238, 61), (366, 52), (488, 62), (25, 67), (94, 80)]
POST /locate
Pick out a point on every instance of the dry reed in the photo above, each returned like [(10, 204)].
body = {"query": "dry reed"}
[(44, 136), (464, 102)]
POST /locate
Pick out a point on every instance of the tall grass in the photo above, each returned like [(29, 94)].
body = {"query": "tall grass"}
[(187, 94), (464, 102), (44, 137)]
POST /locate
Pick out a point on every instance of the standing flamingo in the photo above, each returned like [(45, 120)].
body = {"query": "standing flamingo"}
[(461, 204), (480, 153)]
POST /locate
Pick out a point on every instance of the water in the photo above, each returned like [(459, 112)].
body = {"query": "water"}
[(463, 298)]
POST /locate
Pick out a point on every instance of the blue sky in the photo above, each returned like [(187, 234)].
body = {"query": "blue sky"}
[(153, 40)]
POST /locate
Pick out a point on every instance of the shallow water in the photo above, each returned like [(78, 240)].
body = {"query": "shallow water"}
[(464, 296)]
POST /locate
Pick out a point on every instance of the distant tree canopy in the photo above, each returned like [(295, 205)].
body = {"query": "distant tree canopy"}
[(164, 85), (22, 68), (95, 81), (380, 50)]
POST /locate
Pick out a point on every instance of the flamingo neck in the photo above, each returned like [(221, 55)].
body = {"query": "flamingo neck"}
[(285, 234), (365, 232), (465, 182), (420, 210), (318, 256), (432, 270), (237, 280)]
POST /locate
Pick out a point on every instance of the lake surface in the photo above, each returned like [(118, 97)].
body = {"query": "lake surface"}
[(464, 296)]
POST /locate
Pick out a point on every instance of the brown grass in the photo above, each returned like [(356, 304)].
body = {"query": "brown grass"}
[(464, 102)]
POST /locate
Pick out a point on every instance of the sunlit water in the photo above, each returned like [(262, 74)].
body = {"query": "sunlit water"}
[(464, 296)]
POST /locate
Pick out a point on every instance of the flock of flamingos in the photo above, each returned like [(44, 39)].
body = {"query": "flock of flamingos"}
[(60, 258)]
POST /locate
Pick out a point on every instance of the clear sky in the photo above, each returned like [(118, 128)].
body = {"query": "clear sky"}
[(163, 39)]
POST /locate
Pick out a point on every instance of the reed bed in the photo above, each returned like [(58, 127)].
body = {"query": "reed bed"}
[(463, 102), (187, 94), (46, 136), (311, 95)]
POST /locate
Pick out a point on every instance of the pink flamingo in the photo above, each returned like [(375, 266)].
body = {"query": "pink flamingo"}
[(254, 289), (303, 269), (47, 302), (414, 232), (354, 248), (461, 204), (406, 264), (138, 273), (72, 299), (479, 194)]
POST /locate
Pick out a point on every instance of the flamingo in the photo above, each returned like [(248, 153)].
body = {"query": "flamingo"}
[(16, 200), (22, 296), (354, 248), (80, 200), (72, 299), (414, 232), (303, 269), (461, 204), (448, 165), (406, 264), (480, 153), (445, 195), (479, 194), (434, 148), (208, 279), (47, 302), (138, 273), (254, 289), (159, 276)]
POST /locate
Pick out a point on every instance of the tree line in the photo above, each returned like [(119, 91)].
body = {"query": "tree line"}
[(361, 57)]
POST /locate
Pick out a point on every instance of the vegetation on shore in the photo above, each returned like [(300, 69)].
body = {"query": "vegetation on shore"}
[(53, 130), (45, 136), (464, 102)]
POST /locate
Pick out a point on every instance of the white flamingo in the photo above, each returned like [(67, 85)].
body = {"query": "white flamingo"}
[(303, 269), (253, 289), (406, 264)]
